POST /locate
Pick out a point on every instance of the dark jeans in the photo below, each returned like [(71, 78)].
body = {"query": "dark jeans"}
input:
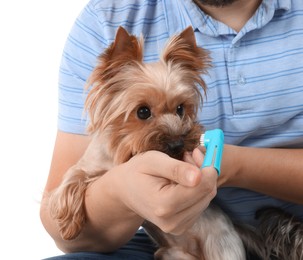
[(140, 247)]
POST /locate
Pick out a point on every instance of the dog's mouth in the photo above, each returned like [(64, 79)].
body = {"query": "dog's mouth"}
[(174, 148)]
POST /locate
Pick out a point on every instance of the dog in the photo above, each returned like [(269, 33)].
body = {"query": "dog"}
[(135, 107)]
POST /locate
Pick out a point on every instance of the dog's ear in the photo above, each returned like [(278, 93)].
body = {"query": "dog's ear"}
[(126, 50), (125, 46), (183, 51), (188, 35), (123, 51), (183, 48)]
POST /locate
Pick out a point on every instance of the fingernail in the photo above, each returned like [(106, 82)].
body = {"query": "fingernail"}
[(198, 157), (192, 177)]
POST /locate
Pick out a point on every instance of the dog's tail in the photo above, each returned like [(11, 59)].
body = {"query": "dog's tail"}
[(279, 235), (283, 233), (253, 242), (67, 203)]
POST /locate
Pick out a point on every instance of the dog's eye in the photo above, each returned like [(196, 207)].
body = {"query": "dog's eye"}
[(180, 110), (143, 113)]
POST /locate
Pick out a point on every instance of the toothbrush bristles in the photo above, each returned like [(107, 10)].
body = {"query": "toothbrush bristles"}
[(202, 143)]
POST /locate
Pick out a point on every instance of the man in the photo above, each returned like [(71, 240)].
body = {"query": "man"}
[(255, 95)]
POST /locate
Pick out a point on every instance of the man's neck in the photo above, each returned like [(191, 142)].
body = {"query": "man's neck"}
[(234, 15)]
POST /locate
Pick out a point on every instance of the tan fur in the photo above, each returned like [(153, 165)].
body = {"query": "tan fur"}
[(119, 86)]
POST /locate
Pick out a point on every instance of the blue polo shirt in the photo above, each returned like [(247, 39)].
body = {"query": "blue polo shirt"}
[(255, 86)]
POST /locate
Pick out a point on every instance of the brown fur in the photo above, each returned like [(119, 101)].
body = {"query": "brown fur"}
[(121, 87), (120, 84)]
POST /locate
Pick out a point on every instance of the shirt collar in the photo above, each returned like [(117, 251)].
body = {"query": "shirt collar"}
[(192, 15)]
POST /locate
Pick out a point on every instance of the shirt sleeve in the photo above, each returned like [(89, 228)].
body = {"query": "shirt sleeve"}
[(84, 44)]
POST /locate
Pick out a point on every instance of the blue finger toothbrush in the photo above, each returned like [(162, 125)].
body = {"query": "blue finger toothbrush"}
[(213, 141)]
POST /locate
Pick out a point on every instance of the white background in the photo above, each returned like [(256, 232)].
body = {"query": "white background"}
[(32, 36)]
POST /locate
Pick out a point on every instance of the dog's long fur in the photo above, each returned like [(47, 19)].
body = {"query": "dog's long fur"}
[(135, 107), (282, 233)]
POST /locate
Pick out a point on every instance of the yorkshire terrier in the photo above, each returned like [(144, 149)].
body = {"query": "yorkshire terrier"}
[(135, 107)]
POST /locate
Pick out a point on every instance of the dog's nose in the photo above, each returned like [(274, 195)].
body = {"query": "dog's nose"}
[(176, 146)]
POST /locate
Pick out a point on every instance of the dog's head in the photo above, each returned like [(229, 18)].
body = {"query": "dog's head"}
[(148, 106)]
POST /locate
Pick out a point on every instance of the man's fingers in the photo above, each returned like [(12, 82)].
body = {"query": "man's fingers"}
[(183, 205), (198, 157), (161, 165)]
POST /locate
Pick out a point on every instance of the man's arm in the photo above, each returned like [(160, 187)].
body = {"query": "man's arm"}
[(275, 172), (67, 151), (167, 193)]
